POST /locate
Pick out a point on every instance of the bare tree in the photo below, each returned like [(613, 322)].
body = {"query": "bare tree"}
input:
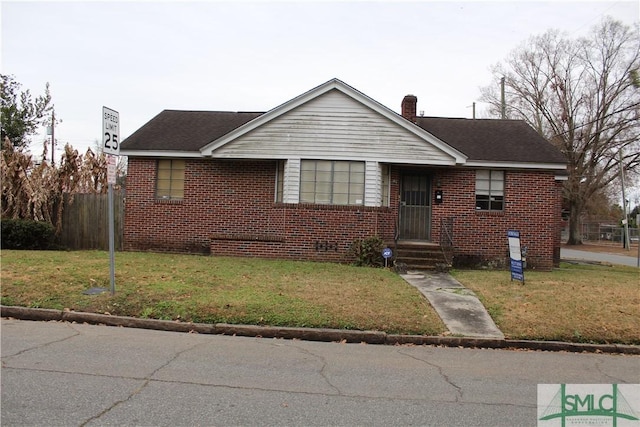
[(583, 95)]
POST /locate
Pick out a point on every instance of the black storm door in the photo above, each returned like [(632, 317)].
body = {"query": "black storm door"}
[(415, 208)]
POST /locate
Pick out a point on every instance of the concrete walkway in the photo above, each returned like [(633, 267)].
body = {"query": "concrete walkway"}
[(457, 306)]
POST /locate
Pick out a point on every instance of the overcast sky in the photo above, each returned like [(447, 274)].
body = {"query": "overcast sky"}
[(139, 58)]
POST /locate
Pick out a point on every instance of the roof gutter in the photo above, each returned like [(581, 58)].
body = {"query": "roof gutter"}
[(161, 153), (516, 165)]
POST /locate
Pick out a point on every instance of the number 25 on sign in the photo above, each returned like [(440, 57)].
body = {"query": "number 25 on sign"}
[(110, 131)]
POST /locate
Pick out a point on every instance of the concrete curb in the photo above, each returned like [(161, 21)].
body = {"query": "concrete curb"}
[(309, 334)]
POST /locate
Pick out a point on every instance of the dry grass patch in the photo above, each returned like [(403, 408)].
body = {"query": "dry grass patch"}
[(219, 289), (580, 303)]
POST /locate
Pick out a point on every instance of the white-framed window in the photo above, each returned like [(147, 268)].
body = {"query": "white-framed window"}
[(489, 190), (280, 181), (170, 179), (386, 178), (332, 182)]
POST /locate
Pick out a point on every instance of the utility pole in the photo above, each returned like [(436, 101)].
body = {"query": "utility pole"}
[(473, 106), (625, 221), (53, 137), (503, 103)]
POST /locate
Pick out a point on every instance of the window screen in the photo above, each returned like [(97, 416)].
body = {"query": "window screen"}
[(489, 190), (170, 179), (332, 182)]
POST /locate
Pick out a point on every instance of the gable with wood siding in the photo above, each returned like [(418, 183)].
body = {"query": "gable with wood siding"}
[(333, 126)]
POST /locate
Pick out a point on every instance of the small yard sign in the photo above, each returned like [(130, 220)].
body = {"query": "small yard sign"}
[(515, 255), (386, 254)]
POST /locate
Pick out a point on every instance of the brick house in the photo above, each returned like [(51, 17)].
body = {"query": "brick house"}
[(307, 178)]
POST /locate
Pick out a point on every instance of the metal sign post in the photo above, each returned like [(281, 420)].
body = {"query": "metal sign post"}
[(111, 178), (111, 147)]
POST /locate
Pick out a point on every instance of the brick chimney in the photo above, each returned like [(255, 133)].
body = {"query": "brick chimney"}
[(409, 105)]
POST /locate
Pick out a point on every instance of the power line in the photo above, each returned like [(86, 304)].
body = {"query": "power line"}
[(599, 16)]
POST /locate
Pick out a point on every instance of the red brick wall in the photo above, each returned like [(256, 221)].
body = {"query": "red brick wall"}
[(532, 206), (228, 208)]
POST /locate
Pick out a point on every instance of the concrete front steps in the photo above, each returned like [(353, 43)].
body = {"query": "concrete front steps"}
[(417, 255)]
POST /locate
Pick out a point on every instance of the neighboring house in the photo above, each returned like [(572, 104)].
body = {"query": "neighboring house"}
[(307, 178)]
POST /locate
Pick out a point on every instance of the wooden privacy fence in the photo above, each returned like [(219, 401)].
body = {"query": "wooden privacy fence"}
[(85, 221)]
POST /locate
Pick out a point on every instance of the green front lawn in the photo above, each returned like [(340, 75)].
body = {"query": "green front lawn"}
[(577, 303)]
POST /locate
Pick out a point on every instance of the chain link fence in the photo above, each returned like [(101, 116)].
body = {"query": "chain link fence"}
[(602, 232)]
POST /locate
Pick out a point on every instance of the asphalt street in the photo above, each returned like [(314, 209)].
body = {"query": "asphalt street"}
[(59, 373), (573, 254)]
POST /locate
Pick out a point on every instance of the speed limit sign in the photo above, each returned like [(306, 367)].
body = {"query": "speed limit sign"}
[(110, 131)]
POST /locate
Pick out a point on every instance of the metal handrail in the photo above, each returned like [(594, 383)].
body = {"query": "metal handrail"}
[(446, 237), (396, 235)]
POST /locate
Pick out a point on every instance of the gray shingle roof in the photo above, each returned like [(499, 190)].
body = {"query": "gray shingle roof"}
[(481, 140), (185, 130), (493, 140)]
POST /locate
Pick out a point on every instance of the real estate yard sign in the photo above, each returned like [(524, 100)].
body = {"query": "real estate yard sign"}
[(515, 255)]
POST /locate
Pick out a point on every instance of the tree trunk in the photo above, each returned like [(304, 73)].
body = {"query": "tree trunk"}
[(575, 232)]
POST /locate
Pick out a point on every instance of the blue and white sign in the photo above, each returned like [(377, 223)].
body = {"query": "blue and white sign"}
[(386, 254), (515, 255)]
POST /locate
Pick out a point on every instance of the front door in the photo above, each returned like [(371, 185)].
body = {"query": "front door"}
[(415, 207)]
